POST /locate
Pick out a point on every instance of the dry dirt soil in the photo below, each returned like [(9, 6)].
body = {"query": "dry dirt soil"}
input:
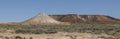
[(60, 35)]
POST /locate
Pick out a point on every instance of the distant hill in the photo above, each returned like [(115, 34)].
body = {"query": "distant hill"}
[(74, 18), (43, 19)]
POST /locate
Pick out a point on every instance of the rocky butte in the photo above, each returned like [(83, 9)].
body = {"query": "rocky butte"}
[(43, 19), (74, 18)]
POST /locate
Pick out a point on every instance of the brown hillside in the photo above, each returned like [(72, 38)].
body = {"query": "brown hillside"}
[(73, 18)]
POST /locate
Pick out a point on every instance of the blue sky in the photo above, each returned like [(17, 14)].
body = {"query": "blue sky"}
[(20, 10)]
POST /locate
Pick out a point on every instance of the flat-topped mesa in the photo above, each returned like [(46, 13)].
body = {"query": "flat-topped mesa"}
[(42, 19), (73, 18)]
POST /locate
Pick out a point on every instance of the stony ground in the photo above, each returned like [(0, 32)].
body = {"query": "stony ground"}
[(59, 35)]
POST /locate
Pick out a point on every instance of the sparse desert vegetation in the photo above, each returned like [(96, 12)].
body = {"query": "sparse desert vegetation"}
[(60, 35), (97, 29)]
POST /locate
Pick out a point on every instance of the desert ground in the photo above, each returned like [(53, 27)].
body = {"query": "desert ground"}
[(60, 35)]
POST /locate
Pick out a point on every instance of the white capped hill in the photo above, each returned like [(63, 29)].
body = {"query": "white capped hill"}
[(41, 19)]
